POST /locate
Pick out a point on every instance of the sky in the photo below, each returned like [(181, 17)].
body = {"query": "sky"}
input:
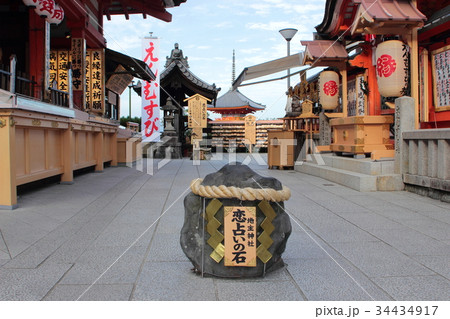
[(209, 30)]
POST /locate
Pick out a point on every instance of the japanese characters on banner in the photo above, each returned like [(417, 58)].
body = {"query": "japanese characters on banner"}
[(355, 97), (240, 236), (87, 78), (78, 63), (87, 69), (59, 66), (441, 78), (197, 111), (250, 128), (95, 100), (53, 68), (150, 124)]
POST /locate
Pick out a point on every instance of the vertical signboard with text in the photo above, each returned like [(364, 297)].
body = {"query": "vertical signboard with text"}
[(150, 124), (240, 236), (78, 58)]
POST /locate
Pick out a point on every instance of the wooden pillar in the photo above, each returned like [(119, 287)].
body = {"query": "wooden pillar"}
[(37, 52), (8, 187), (114, 149), (344, 92), (68, 156), (374, 94), (414, 67), (99, 151)]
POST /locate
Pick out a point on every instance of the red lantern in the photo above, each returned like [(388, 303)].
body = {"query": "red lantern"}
[(329, 90), (392, 68), (58, 15), (45, 8), (31, 3)]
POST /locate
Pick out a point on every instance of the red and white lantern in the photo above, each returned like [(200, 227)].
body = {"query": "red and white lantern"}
[(45, 8), (392, 68), (31, 3), (58, 15), (329, 90)]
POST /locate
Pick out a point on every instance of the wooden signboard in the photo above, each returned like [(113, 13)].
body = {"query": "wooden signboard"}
[(240, 236), (250, 129), (78, 58), (58, 70), (119, 82), (95, 81), (197, 106), (53, 71), (356, 100), (440, 60)]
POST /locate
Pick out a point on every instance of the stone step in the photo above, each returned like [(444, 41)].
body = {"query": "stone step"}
[(362, 166), (357, 181)]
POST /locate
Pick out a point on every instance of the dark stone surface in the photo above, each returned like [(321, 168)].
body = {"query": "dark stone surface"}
[(194, 235)]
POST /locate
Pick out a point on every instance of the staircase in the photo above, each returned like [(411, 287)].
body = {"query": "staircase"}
[(363, 175)]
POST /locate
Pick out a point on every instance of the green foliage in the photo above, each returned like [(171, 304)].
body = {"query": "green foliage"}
[(125, 119)]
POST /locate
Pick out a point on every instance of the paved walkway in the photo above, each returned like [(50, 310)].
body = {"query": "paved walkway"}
[(115, 236)]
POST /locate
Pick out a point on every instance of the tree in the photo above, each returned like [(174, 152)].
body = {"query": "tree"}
[(125, 119)]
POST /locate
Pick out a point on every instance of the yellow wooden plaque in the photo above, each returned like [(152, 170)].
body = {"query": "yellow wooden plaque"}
[(96, 81), (197, 115), (240, 236), (250, 129)]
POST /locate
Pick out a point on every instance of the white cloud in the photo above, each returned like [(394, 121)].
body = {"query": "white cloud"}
[(250, 51), (224, 25), (268, 26)]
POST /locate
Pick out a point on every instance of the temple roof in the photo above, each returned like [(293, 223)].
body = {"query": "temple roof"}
[(234, 99), (324, 49), (178, 80), (184, 70), (154, 8), (342, 15)]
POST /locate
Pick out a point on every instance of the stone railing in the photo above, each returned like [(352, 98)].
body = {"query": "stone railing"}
[(426, 160)]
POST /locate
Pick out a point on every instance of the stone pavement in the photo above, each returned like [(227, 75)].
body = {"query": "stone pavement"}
[(115, 236)]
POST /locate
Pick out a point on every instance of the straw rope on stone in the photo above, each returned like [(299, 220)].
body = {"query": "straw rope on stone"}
[(246, 193)]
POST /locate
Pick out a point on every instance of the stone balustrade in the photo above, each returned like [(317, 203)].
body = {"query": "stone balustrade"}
[(426, 159)]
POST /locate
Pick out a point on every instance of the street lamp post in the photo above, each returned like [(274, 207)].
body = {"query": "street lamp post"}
[(131, 86), (288, 34)]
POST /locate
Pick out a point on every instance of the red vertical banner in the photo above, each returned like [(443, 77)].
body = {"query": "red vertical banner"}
[(150, 125)]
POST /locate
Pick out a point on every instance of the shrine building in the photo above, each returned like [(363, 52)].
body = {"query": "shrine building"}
[(60, 87)]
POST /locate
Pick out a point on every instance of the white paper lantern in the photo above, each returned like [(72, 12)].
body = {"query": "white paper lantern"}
[(45, 8), (392, 68), (31, 3), (58, 15), (329, 90)]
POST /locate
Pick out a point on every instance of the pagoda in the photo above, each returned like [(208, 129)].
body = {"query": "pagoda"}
[(234, 105), (229, 130)]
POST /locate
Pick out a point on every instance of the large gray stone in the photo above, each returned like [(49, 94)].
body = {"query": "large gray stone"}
[(194, 235)]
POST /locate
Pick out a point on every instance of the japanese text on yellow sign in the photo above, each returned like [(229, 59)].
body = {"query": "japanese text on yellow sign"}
[(240, 236)]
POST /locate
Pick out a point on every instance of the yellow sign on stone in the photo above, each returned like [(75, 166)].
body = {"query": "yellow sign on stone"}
[(250, 129), (240, 236), (197, 106)]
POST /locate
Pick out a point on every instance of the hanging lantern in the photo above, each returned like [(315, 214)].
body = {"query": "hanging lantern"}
[(58, 15), (329, 90), (392, 68), (45, 8), (31, 3)]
